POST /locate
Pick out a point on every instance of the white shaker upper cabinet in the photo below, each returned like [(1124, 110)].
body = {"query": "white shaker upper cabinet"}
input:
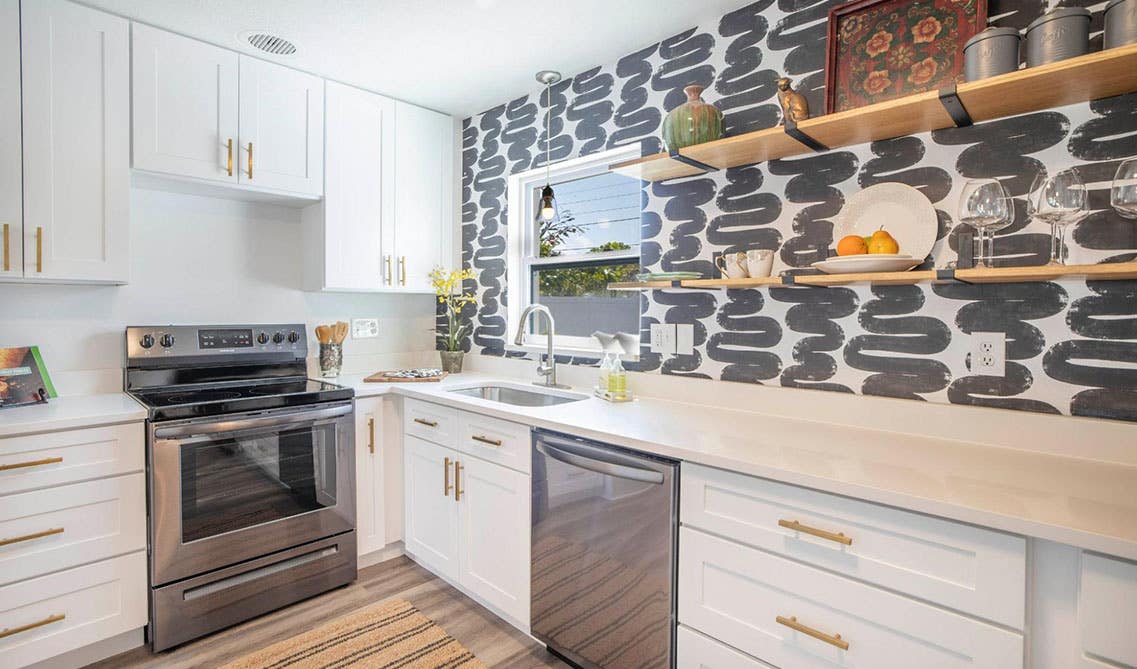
[(185, 106), (423, 228), (281, 127), (11, 188), (76, 111)]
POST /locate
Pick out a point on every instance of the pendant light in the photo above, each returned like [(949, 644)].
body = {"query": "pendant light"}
[(547, 211)]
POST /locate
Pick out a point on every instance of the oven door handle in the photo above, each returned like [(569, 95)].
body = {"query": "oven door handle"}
[(194, 430)]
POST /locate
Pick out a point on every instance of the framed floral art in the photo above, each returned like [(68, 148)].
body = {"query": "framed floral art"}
[(884, 49)]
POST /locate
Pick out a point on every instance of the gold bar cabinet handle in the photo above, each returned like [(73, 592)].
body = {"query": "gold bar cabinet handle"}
[(7, 261), (39, 248), (250, 161), (30, 463), (229, 163), (29, 537), (446, 487), (9, 631), (832, 640), (486, 440), (402, 270), (428, 423), (371, 435), (806, 529), (457, 481), (387, 259)]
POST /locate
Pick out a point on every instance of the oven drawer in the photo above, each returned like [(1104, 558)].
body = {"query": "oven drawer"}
[(972, 569), (197, 606), (58, 458), (495, 440), (71, 609), (793, 615), (48, 530), (431, 422)]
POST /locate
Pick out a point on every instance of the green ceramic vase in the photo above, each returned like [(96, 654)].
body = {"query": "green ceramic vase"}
[(692, 122)]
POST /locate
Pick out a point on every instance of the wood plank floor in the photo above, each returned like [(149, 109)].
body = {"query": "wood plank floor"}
[(495, 642)]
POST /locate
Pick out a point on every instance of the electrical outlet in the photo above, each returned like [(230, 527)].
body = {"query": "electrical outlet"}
[(684, 339), (989, 353), (663, 338), (364, 328)]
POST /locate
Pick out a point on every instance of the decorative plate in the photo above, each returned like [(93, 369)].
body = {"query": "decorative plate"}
[(869, 262), (905, 213)]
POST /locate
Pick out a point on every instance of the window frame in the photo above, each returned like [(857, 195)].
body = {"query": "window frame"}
[(522, 244)]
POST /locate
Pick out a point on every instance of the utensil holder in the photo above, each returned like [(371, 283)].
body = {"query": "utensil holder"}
[(331, 359)]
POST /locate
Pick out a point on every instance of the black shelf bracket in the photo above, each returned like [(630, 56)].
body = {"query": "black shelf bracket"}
[(945, 275), (949, 98), (676, 283), (687, 160), (790, 127)]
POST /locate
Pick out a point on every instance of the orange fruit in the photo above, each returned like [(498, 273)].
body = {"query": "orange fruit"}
[(852, 245), (884, 244)]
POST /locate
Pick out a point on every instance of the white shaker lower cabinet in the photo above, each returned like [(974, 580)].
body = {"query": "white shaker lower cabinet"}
[(431, 526), (699, 651), (370, 476), (1107, 609)]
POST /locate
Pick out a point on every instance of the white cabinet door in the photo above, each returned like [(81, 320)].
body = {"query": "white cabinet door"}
[(358, 159), (282, 128), (370, 513), (11, 187), (431, 532), (185, 106), (423, 193), (493, 546), (76, 111)]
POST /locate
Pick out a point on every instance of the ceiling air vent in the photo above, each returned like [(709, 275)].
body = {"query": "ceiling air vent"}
[(269, 43)]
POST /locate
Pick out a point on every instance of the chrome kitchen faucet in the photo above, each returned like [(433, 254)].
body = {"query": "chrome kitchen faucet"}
[(548, 369)]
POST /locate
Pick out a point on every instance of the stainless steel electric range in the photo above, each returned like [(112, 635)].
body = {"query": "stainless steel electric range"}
[(251, 474)]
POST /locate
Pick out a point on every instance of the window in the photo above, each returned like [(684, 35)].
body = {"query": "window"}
[(567, 266)]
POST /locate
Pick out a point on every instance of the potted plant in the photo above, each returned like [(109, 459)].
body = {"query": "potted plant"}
[(448, 287)]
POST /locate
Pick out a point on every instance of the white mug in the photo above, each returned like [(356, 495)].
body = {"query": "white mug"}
[(732, 265), (759, 262)]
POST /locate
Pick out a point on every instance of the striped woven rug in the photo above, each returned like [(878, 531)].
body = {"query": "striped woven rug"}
[(392, 635)]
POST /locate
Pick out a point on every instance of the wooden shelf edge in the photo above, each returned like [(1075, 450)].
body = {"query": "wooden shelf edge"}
[(877, 278), (756, 282), (1114, 271), (639, 285)]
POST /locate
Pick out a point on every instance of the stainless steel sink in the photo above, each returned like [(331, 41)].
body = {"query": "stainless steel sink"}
[(518, 396)]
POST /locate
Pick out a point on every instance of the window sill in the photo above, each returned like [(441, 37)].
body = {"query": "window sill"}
[(567, 350)]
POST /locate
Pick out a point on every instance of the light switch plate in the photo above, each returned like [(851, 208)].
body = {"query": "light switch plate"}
[(989, 353), (684, 338), (364, 328), (663, 338)]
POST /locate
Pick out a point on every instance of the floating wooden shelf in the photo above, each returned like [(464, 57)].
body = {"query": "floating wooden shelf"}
[(1101, 272), (1096, 75)]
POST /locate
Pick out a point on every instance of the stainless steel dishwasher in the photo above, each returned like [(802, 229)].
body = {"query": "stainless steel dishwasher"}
[(604, 553)]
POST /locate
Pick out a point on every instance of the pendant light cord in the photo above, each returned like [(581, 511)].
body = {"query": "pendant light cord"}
[(548, 128)]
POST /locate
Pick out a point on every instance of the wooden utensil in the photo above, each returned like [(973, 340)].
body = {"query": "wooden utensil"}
[(323, 334)]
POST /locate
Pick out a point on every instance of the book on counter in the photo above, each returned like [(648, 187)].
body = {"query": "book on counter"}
[(23, 377)]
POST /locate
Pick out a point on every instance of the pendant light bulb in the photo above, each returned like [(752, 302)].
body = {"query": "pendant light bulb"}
[(547, 211)]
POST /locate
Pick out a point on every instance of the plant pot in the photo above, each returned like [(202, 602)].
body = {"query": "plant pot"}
[(452, 361), (692, 122)]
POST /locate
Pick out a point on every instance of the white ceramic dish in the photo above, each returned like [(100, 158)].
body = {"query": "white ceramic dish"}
[(866, 263), (905, 213)]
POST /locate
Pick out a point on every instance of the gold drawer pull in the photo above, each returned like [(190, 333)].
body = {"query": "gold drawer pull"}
[(831, 536), (402, 270), (39, 249), (250, 161), (457, 481), (31, 463), (7, 262), (387, 261), (832, 640), (446, 487), (31, 626), (29, 537), (229, 167), (428, 423), (486, 440), (371, 435)]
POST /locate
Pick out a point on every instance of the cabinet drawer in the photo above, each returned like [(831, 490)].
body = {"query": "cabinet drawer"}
[(738, 595), (495, 440), (431, 422), (1107, 608), (48, 530), (699, 651), (71, 609), (975, 570), (57, 458)]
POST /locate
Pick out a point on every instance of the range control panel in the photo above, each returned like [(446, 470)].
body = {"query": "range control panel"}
[(170, 341)]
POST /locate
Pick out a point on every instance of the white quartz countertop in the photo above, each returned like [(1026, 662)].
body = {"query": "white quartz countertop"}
[(71, 412), (1086, 503)]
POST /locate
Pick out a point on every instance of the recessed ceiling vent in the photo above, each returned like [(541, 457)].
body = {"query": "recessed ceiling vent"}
[(269, 43)]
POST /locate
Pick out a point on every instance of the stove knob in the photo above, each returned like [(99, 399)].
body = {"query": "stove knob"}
[(262, 338), (293, 337), (166, 340), (278, 338), (147, 341)]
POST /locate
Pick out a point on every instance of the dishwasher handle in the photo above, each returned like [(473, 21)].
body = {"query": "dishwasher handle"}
[(595, 460)]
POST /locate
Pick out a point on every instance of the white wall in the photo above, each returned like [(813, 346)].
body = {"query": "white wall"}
[(200, 260)]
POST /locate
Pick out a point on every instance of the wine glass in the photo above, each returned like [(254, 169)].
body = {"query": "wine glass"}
[(982, 205), (1123, 191), (1057, 200)]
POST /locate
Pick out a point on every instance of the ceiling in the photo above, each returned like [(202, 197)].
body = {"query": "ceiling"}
[(455, 56)]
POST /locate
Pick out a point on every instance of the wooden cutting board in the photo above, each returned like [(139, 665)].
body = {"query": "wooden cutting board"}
[(382, 377)]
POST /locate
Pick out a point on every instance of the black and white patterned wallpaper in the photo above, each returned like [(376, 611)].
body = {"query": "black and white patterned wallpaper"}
[(1071, 345)]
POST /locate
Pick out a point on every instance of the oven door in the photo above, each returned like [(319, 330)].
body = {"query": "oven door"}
[(230, 489)]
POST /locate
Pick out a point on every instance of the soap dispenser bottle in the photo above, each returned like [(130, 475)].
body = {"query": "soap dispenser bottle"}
[(617, 379), (605, 372)]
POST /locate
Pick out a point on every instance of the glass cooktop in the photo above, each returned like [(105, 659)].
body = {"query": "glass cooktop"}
[(175, 402)]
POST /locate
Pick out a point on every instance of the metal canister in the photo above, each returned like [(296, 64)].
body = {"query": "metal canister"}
[(1059, 34), (991, 52), (1120, 23)]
